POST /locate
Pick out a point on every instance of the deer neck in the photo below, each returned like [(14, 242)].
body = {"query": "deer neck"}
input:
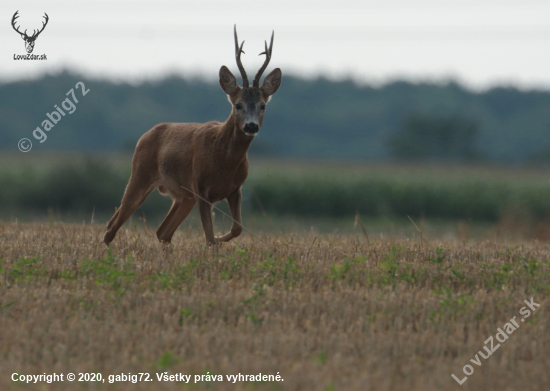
[(234, 142)]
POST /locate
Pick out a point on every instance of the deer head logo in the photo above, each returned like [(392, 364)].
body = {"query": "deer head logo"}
[(29, 41)]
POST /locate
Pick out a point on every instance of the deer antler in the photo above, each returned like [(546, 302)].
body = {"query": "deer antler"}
[(256, 82), (13, 20), (238, 51), (36, 34)]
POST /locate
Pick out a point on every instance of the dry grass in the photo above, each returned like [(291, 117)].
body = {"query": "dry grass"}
[(335, 313)]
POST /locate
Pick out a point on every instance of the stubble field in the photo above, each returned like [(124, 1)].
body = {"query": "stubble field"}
[(325, 312)]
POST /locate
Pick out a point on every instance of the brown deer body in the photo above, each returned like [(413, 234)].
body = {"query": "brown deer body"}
[(202, 163)]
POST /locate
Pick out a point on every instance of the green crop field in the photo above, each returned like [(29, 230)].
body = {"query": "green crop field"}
[(69, 187)]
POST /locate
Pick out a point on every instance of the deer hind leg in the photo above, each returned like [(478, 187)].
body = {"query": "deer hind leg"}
[(234, 202), (135, 194), (178, 212)]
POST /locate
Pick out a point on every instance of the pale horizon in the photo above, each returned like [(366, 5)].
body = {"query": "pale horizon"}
[(478, 45)]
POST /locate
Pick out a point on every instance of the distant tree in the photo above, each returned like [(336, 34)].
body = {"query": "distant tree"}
[(426, 137), (540, 158)]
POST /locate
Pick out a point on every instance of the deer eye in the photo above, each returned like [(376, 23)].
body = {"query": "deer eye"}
[(262, 107), (238, 106)]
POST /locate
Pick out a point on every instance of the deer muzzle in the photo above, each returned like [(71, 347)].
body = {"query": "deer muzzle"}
[(251, 128)]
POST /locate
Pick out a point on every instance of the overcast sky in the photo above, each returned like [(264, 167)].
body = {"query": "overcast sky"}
[(478, 43)]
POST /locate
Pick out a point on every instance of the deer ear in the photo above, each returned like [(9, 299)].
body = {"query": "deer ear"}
[(227, 81), (272, 82)]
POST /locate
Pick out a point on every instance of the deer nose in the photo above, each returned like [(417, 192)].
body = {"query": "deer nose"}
[(251, 128)]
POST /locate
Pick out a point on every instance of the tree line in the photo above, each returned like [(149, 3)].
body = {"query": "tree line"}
[(306, 119)]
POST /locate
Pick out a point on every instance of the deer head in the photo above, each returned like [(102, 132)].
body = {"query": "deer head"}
[(249, 102), (29, 41)]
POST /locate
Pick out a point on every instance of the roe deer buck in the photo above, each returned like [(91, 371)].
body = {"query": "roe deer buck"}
[(208, 159)]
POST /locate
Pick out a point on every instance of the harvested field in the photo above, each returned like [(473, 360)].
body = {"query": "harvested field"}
[(332, 312)]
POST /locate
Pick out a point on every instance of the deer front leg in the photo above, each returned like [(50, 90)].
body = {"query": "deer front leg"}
[(234, 202), (205, 210)]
